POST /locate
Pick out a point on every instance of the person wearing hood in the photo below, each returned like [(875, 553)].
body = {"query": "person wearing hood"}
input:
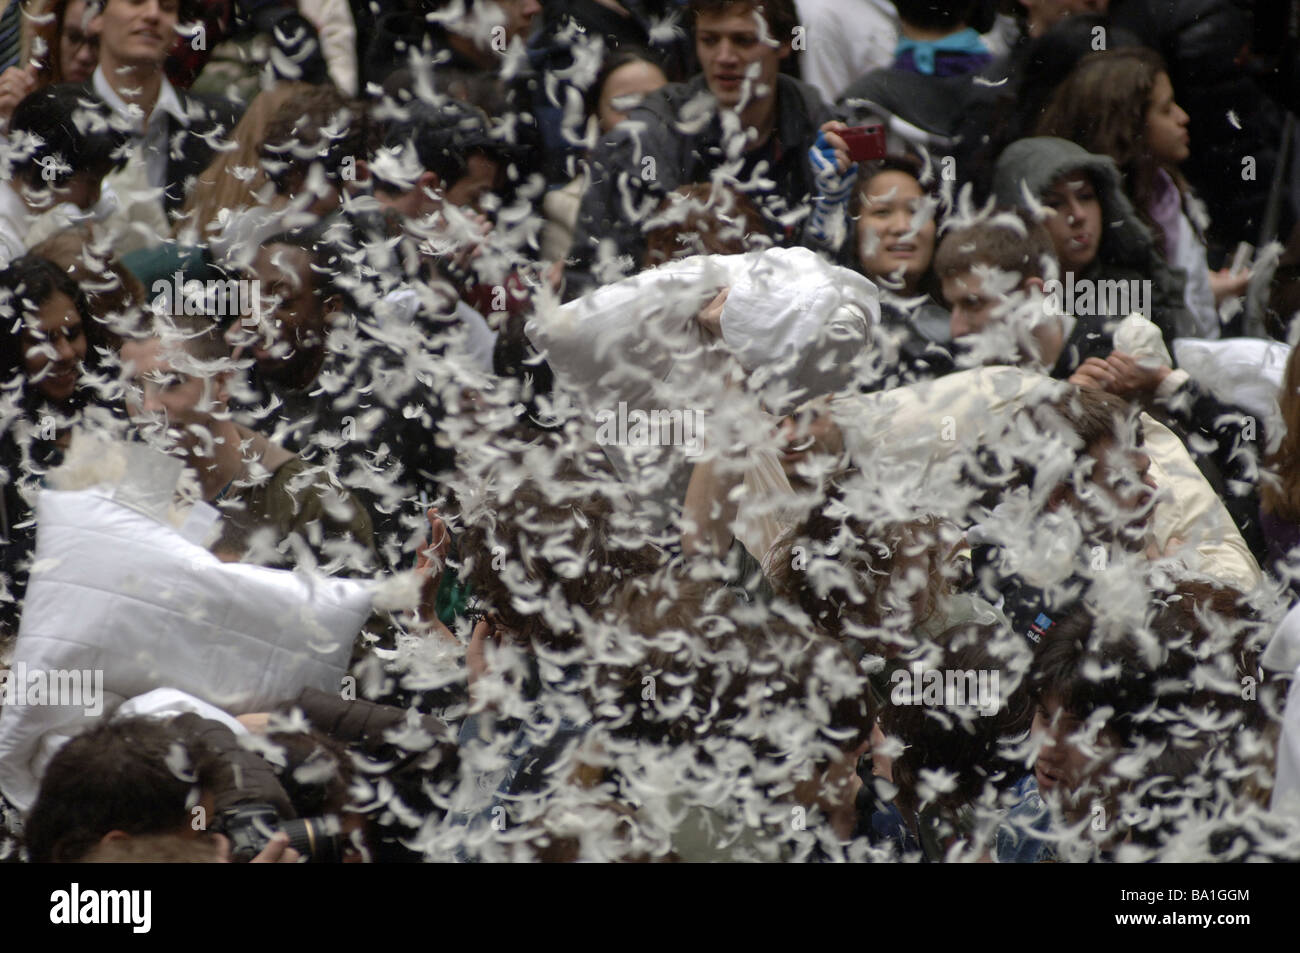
[(1097, 233), (1121, 104)]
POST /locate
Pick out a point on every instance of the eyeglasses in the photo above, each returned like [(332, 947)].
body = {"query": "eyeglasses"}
[(76, 39)]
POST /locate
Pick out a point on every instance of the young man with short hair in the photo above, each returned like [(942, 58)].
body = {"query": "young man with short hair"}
[(740, 121), (273, 503), (174, 133), (994, 274), (131, 789), (437, 155)]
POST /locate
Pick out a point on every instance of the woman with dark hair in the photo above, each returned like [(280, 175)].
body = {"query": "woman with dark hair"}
[(1121, 104), (47, 357), (64, 48), (44, 353), (113, 293), (624, 77), (1019, 87), (1097, 234), (895, 205)]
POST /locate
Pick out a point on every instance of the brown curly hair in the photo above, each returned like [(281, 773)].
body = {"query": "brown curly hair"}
[(1103, 105)]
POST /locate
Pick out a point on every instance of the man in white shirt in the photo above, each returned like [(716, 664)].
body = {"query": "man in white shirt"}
[(64, 147), (174, 132)]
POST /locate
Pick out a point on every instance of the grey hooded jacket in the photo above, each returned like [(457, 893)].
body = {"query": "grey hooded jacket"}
[(1127, 250)]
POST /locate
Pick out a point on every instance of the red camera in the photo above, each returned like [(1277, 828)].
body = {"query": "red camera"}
[(865, 142)]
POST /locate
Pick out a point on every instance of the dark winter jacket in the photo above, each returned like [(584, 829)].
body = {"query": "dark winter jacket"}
[(664, 145), (932, 106), (1127, 250)]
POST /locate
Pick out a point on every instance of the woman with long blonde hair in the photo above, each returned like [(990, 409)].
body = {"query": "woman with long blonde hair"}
[(236, 177)]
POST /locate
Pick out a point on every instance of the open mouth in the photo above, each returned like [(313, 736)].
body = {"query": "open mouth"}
[(1047, 779), (60, 378), (796, 451)]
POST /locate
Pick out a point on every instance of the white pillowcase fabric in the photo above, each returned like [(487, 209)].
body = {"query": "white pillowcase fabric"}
[(112, 589)]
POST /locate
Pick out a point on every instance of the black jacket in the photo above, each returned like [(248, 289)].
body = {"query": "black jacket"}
[(192, 147), (651, 154)]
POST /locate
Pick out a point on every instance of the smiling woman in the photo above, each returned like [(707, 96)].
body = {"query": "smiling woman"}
[(896, 226), (895, 236), (49, 346), (44, 357)]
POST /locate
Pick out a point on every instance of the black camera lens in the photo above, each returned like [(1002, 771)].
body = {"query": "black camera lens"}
[(249, 827), (319, 839)]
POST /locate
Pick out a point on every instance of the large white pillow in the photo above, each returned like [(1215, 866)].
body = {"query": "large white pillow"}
[(1246, 372), (788, 307), (114, 590)]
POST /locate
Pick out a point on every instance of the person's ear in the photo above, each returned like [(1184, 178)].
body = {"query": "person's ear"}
[(1030, 285), (112, 836)]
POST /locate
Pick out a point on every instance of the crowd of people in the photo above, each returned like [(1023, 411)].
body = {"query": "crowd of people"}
[(556, 430)]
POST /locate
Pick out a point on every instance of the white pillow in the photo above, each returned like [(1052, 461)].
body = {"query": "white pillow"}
[(1246, 372), (787, 306), (115, 591)]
